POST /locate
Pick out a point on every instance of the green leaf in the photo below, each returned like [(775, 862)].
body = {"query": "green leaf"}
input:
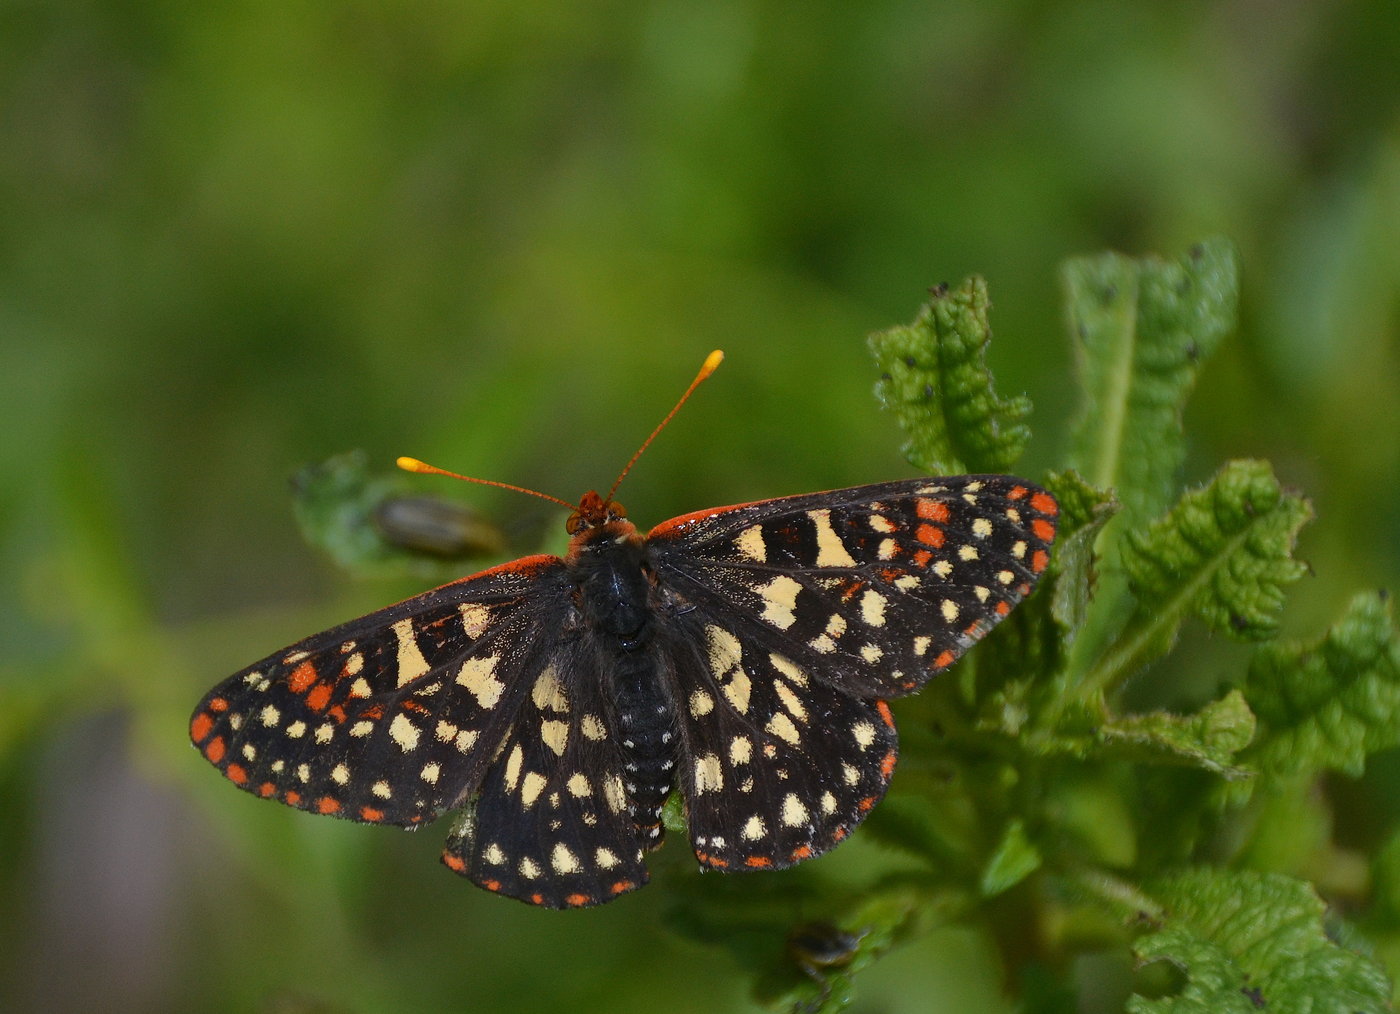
[(1015, 859), (1328, 704), (936, 382), (1223, 554), (1209, 739), (1141, 329), (1084, 511), (1254, 941)]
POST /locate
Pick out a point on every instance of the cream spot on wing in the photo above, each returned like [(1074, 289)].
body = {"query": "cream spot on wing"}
[(828, 803), (724, 650), (614, 794), (411, 663), (475, 618), (740, 750), (478, 676), (1018, 549), (1005, 576), (882, 524), (942, 568), (967, 552), (921, 644), (907, 582), (605, 857), (578, 785), (340, 774), (304, 772), (548, 694), (822, 643), (781, 726), (529, 869), (794, 813), (360, 688), (430, 773), (790, 671), (381, 789), (982, 592), (250, 752), (404, 733), (888, 549), (872, 653), (790, 700), (555, 736), (981, 528), (864, 734), (465, 740), (324, 732), (872, 608), (708, 775), (779, 602), (494, 855), (849, 774), (296, 730), (513, 768), (753, 829), (831, 552), (750, 544), (563, 860), (530, 787), (950, 610), (737, 691), (701, 703), (592, 728)]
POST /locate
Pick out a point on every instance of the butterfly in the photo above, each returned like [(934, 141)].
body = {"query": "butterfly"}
[(743, 655)]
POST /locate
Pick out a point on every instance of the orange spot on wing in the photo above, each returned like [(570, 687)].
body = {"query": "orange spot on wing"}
[(373, 712), (327, 805), (930, 535), (1044, 530), (887, 765), (215, 750), (866, 803), (801, 852), (537, 898), (1039, 559), (839, 834), (319, 697), (758, 862), (490, 885), (578, 900), (338, 713), (301, 678), (890, 573), (1016, 492), (621, 886), (1003, 608), (710, 860), (218, 704), (884, 710), (371, 814), (932, 510), (849, 590), (922, 557), (236, 774), (944, 660), (454, 863), (266, 789), (200, 726), (292, 798), (1045, 503)]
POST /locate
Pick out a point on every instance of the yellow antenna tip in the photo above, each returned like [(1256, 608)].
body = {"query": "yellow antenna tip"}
[(412, 465), (712, 362)]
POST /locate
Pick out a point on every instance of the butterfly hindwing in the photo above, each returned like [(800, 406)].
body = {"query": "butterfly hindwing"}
[(393, 717), (553, 823), (778, 765)]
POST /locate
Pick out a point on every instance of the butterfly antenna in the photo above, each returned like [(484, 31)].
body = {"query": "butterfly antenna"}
[(711, 363), (414, 465)]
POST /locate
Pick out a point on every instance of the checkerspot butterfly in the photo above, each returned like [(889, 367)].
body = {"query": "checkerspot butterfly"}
[(742, 655)]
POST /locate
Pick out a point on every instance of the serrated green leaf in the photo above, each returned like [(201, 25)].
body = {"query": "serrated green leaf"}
[(1254, 939), (1223, 554), (936, 382), (1141, 329), (1328, 704), (1014, 859), (1084, 511), (1209, 739)]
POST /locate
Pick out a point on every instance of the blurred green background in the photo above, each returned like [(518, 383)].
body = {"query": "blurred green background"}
[(238, 237)]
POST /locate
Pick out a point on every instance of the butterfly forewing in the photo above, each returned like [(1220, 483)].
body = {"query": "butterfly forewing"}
[(872, 589), (390, 718)]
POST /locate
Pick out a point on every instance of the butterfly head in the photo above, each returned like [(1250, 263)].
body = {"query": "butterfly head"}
[(593, 511)]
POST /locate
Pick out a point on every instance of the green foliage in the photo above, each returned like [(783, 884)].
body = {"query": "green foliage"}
[(1031, 790), (934, 378)]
